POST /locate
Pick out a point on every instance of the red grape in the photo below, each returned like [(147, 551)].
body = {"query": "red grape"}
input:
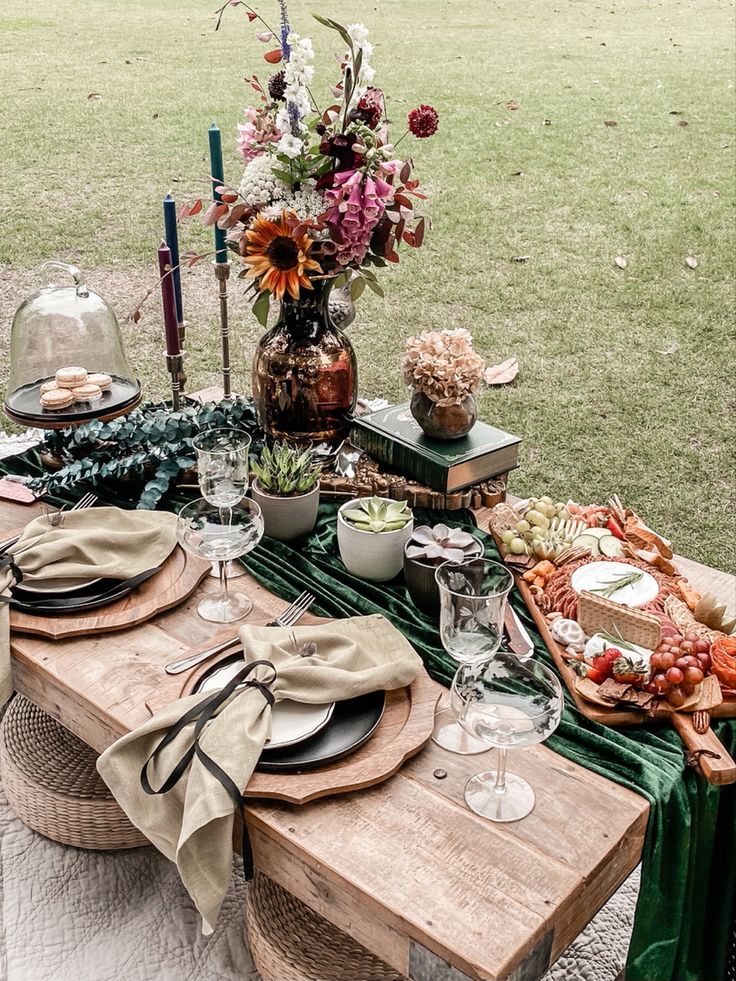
[(702, 647), (667, 661), (675, 676), (676, 697), (687, 689), (676, 639), (704, 661), (687, 647), (692, 638), (654, 662), (693, 676), (651, 688), (660, 682)]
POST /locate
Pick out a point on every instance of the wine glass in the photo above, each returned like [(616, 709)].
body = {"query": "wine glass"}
[(224, 473), (220, 535), (473, 597), (505, 702)]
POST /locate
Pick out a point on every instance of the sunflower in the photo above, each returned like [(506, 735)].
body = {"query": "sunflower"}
[(278, 257)]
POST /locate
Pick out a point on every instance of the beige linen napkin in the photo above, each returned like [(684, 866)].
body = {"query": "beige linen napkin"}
[(105, 542), (192, 822)]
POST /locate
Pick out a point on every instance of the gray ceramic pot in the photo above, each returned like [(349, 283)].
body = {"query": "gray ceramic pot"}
[(421, 583), (285, 518)]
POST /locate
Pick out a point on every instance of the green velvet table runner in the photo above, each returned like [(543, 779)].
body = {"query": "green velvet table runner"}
[(687, 900)]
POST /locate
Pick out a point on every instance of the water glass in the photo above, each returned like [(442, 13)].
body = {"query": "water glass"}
[(506, 703), (222, 464), (473, 597)]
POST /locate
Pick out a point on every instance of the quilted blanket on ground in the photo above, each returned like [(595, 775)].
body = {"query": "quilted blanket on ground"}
[(72, 915)]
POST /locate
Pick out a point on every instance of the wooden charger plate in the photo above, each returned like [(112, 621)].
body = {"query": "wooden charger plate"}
[(405, 728), (717, 769), (179, 576)]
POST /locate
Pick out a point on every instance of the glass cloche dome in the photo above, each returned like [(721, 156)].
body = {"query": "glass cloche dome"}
[(67, 362)]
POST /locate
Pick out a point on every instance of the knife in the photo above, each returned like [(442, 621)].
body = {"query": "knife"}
[(518, 637), (71, 604)]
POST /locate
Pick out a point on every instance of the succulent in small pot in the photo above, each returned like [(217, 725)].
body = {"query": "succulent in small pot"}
[(371, 534), (428, 548), (287, 489)]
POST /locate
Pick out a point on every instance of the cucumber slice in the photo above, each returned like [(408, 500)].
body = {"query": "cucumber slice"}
[(598, 532), (587, 541), (610, 546)]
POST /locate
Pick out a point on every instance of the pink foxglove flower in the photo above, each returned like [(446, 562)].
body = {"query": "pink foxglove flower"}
[(255, 135), (356, 204)]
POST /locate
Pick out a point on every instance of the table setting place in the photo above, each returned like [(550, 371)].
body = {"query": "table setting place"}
[(303, 699)]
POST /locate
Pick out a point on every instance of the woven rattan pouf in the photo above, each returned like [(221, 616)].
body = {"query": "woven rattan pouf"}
[(53, 786), (290, 942)]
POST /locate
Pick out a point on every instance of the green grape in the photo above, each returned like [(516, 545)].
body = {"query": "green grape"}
[(523, 526), (517, 546), (537, 518), (507, 537)]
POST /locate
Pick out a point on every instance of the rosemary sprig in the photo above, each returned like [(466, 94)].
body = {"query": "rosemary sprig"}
[(614, 585)]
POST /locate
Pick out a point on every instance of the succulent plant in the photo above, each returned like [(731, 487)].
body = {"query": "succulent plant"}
[(286, 471), (377, 515), (441, 544)]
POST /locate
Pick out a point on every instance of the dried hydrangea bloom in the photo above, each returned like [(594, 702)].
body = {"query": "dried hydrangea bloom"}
[(443, 365)]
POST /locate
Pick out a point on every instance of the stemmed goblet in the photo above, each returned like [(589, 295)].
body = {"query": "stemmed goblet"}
[(224, 473), (506, 703), (473, 597), (220, 535)]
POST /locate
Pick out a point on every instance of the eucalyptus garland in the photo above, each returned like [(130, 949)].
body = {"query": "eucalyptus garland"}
[(149, 448)]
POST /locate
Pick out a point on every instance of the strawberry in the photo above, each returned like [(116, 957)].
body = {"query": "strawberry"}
[(628, 671), (602, 666)]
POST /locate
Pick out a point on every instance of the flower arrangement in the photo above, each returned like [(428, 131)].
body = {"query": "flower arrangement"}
[(443, 365), (324, 194)]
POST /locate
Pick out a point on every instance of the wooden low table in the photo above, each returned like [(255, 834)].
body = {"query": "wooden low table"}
[(404, 867)]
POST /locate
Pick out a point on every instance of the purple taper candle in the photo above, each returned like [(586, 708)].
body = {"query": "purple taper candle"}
[(168, 300)]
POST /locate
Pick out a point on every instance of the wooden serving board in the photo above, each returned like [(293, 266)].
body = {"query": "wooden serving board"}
[(178, 578), (405, 727), (720, 770)]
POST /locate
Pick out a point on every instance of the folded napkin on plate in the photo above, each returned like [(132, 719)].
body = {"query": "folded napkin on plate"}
[(194, 760), (104, 542)]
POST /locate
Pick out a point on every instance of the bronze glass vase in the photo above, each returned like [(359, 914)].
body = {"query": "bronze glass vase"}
[(305, 375), (444, 421)]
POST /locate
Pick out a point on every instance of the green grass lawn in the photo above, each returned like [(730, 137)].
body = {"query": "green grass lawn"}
[(627, 374)]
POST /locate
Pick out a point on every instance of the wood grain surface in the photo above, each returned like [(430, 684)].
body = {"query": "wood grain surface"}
[(404, 867)]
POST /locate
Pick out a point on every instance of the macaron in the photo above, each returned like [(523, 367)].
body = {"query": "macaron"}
[(86, 393), (100, 378), (71, 377), (57, 398), (48, 386)]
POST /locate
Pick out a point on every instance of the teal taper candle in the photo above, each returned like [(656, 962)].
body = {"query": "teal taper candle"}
[(216, 172)]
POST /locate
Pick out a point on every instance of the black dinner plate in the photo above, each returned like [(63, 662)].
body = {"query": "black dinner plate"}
[(352, 724), (90, 597)]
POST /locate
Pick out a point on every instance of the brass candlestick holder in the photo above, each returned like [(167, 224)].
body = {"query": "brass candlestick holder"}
[(175, 367), (222, 272)]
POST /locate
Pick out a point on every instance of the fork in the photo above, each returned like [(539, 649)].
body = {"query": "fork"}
[(287, 618), (55, 518)]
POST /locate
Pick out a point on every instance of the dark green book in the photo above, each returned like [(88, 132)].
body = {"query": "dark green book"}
[(392, 437)]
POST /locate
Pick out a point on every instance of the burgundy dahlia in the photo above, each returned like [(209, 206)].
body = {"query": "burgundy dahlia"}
[(423, 122), (340, 146), (370, 108), (277, 86)]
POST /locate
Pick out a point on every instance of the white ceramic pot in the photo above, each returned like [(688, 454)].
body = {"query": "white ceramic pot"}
[(377, 556), (285, 518)]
